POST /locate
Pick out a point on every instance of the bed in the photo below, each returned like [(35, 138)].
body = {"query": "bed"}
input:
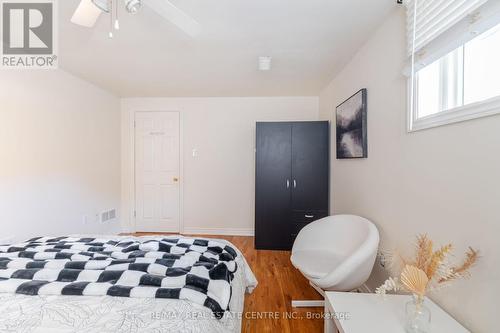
[(67, 313)]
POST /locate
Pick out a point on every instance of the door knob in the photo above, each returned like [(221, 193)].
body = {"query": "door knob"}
[(176, 179)]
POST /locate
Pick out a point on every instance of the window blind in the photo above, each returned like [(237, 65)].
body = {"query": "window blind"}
[(433, 18)]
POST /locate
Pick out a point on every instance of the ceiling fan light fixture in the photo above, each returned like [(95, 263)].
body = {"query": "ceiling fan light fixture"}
[(133, 6), (102, 5)]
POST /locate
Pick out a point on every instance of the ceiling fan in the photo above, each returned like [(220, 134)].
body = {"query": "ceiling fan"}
[(88, 11)]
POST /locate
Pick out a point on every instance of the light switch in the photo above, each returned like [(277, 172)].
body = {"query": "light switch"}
[(195, 152)]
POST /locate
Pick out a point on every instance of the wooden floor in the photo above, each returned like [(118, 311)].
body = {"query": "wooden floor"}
[(268, 308)]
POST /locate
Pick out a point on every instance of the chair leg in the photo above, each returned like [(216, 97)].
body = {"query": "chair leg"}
[(310, 304), (318, 289)]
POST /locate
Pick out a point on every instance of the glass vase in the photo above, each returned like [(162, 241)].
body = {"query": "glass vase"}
[(418, 316)]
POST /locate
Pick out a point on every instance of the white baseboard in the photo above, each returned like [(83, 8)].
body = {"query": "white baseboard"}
[(219, 231), (8, 240), (207, 231), (127, 230)]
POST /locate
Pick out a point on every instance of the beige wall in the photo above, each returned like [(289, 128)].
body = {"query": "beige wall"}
[(59, 154), (443, 181), (218, 194)]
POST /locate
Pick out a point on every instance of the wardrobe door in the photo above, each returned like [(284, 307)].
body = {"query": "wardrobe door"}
[(310, 169), (273, 185)]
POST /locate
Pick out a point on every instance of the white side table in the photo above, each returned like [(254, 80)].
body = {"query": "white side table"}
[(362, 313)]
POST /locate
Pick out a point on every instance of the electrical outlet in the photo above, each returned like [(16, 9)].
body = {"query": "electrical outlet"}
[(382, 259), (112, 214)]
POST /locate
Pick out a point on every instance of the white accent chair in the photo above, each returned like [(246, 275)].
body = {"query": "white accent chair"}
[(336, 253)]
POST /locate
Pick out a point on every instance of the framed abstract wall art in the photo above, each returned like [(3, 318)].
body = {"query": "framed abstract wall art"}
[(351, 127)]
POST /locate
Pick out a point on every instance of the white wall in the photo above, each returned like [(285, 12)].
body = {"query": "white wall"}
[(218, 194), (443, 181), (59, 154)]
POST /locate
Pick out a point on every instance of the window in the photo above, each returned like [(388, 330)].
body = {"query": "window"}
[(461, 84), (467, 75)]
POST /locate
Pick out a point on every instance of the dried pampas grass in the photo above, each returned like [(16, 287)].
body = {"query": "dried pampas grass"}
[(462, 271), (423, 250), (395, 261), (428, 270), (436, 260)]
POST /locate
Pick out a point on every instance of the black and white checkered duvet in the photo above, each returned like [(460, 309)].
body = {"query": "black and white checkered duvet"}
[(196, 270)]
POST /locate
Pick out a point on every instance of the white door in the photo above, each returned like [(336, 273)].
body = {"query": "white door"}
[(157, 167)]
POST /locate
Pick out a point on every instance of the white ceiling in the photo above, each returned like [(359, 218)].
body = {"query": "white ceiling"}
[(309, 41)]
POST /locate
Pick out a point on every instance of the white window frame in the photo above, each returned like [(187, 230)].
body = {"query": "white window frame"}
[(436, 50), (471, 111)]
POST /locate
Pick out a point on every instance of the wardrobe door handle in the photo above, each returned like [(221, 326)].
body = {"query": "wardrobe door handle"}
[(294, 183), (309, 216), (287, 183)]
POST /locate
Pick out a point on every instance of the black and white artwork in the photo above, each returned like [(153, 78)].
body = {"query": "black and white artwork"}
[(351, 127)]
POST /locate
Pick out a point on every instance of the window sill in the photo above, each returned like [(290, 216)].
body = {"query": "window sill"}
[(468, 112)]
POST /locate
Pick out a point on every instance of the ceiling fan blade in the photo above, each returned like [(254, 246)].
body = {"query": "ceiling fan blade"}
[(86, 14), (183, 21)]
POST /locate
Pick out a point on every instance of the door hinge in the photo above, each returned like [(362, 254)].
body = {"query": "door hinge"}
[(135, 213)]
